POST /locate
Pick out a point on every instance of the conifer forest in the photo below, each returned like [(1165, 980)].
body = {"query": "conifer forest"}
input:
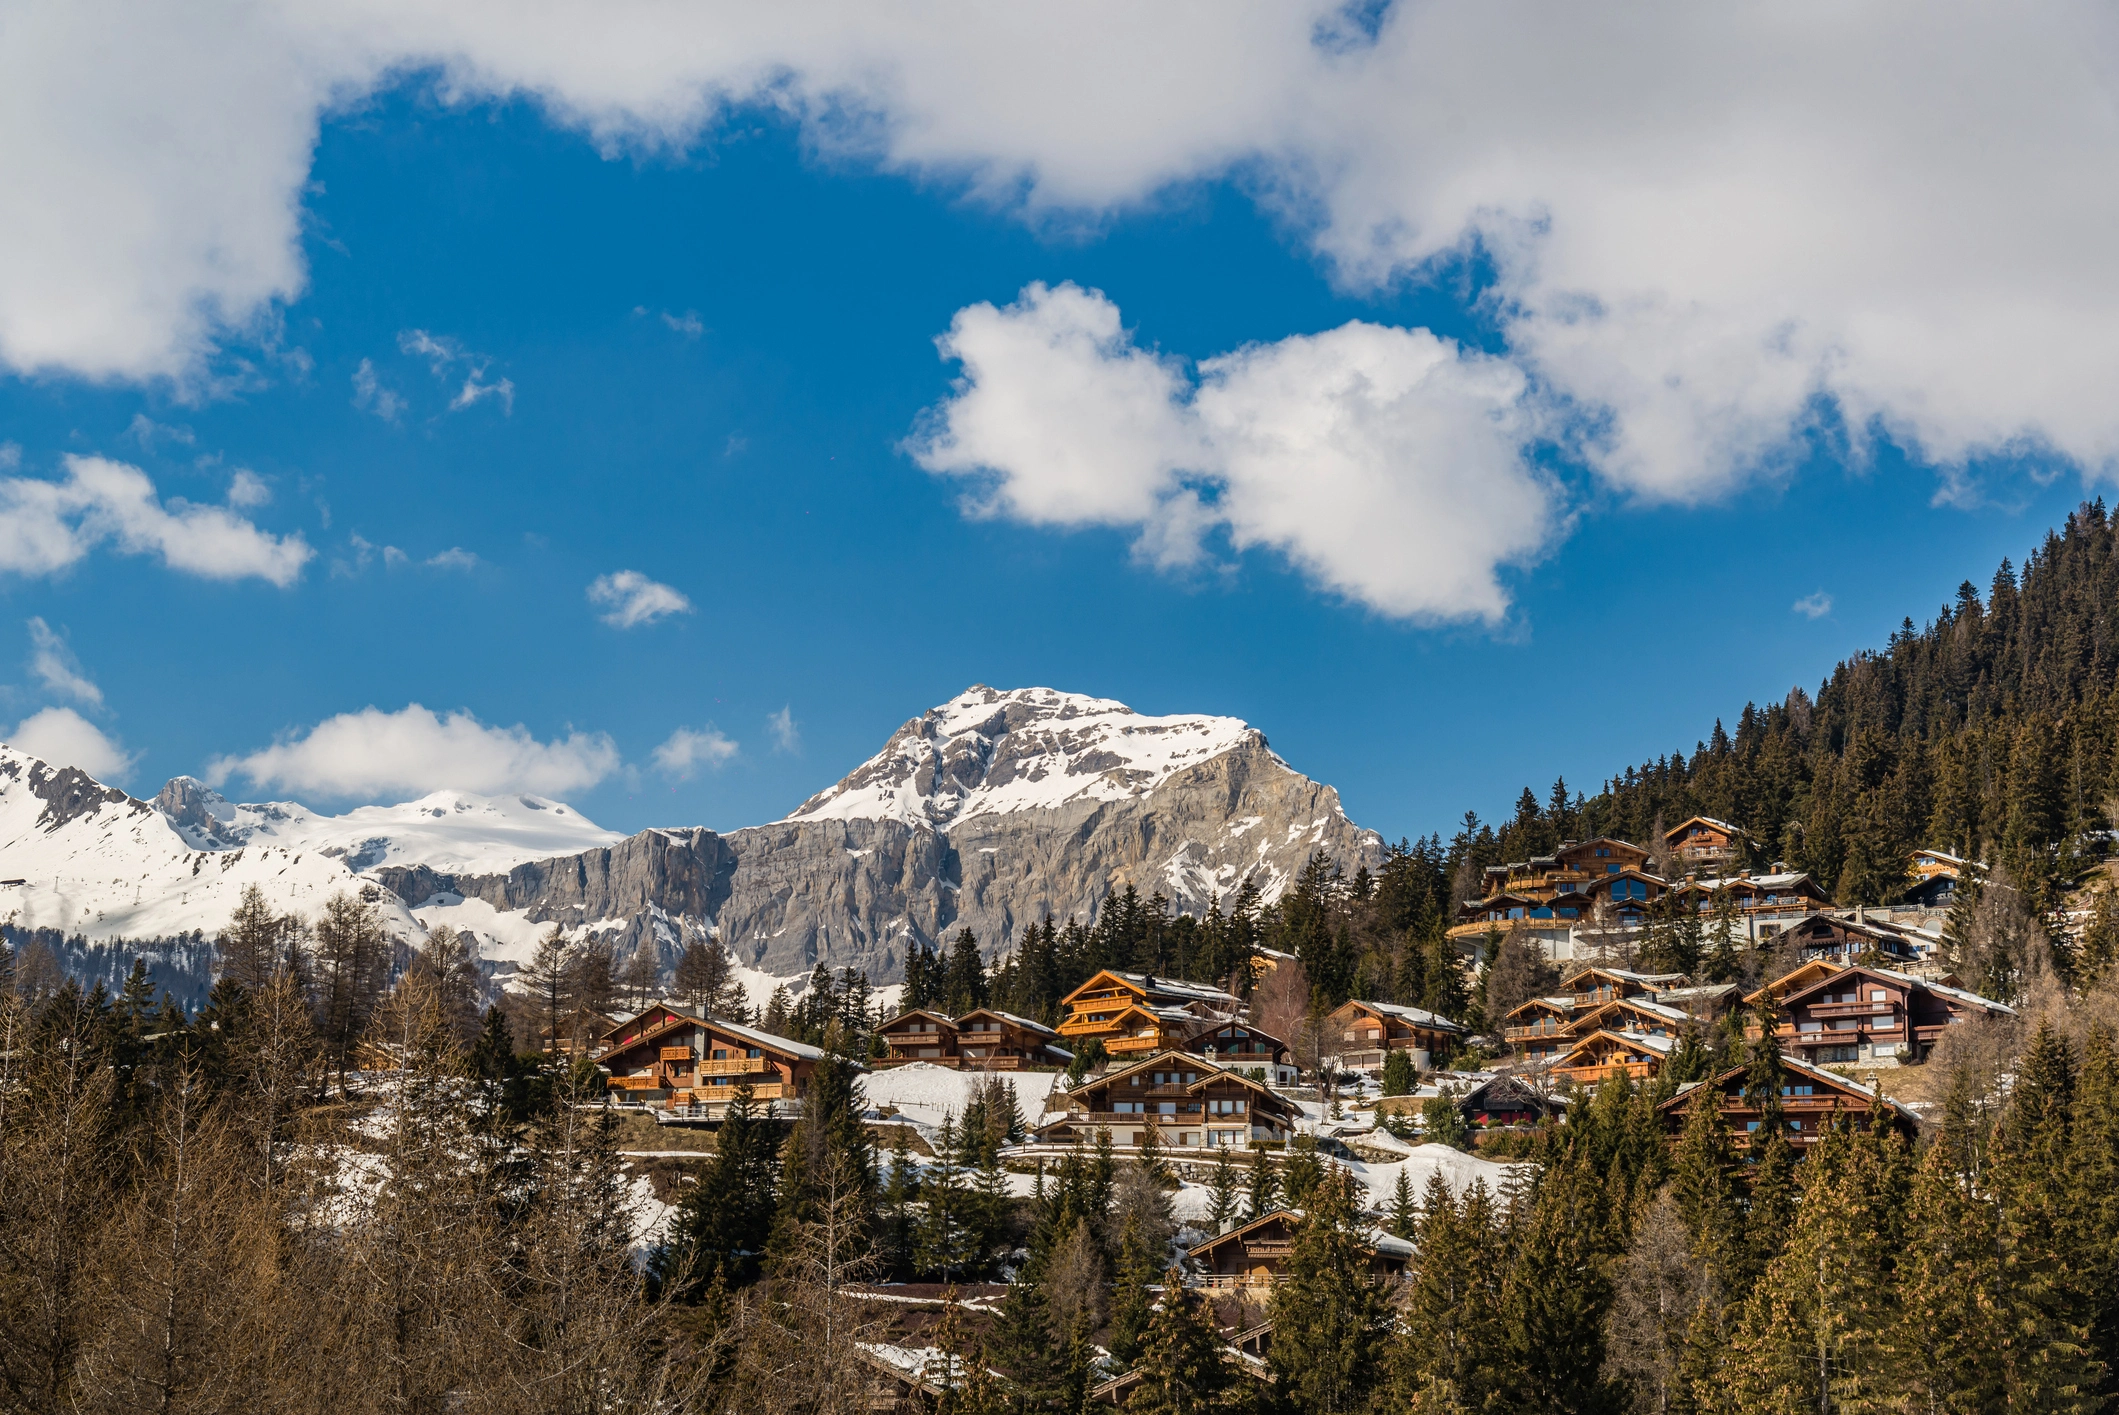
[(353, 1176)]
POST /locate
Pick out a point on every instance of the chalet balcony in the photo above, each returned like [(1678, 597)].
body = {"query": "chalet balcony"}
[(1113, 1117), (740, 1066), (716, 1095), (1848, 1009), (1545, 1027), (638, 1083), (1229, 1280), (1122, 1045), (1593, 1075), (683, 1053)]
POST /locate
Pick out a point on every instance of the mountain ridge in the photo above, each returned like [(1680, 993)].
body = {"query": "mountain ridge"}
[(987, 812)]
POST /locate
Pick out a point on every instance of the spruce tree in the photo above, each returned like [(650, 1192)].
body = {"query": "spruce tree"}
[(720, 1230), (1222, 1208), (1703, 1184), (1138, 1265), (1405, 1211), (1399, 1078), (1181, 1364), (1330, 1320), (1554, 1300), (943, 1245), (2093, 1175), (1263, 1193), (964, 985), (1945, 1346)]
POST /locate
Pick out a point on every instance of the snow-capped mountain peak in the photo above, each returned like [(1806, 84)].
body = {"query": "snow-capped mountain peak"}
[(988, 751)]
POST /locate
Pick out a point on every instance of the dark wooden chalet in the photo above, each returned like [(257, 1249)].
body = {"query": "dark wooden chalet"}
[(920, 1035), (692, 1066), (992, 1040), (1506, 1100), (1256, 1254), (1869, 1016), (1831, 939), (1704, 840), (1810, 1099), (1243, 1047), (1190, 1101), (1603, 1054)]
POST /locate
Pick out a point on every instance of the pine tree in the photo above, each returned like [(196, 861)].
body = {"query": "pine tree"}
[(1404, 1218), (943, 1246), (964, 987), (1399, 1078), (1946, 1345), (1263, 1193), (720, 1229), (1703, 1185), (1181, 1365), (2093, 1175), (1330, 1320), (1554, 1299), (1138, 1265), (1222, 1208)]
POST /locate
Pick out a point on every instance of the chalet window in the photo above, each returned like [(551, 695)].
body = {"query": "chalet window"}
[(754, 1053), (720, 1053), (1126, 1107), (1805, 1089), (1878, 995), (1569, 913)]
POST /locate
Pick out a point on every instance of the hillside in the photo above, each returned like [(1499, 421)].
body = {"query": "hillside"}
[(1989, 733)]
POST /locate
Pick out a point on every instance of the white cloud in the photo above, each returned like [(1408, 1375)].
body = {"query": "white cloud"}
[(46, 526), (454, 558), (52, 661), (687, 324), (786, 734), (146, 431), (1703, 220), (687, 751), (371, 394), (372, 753), (62, 737), (633, 599), (1385, 463), (1813, 606), (246, 489), (443, 354)]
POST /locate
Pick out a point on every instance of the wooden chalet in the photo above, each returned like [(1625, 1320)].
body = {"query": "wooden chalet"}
[(1137, 1013), (1547, 897), (1793, 981), (1765, 904), (1602, 1054), (898, 1381), (1190, 1102), (992, 1040), (1870, 1016), (919, 1035), (1506, 1100), (1593, 986), (691, 1066), (1935, 878), (1243, 1047), (1364, 1033), (1542, 1027), (1632, 1014), (1704, 840), (1256, 1254), (1705, 1002), (1832, 939), (1810, 1099)]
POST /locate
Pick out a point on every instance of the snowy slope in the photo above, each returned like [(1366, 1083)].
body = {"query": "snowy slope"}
[(990, 752), (448, 830), (90, 859)]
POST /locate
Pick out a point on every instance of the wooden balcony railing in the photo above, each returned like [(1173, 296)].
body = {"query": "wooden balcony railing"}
[(1546, 1027), (1128, 1044), (740, 1066), (683, 1053), (636, 1083)]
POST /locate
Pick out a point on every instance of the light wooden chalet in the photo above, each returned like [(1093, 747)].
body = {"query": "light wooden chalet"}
[(1869, 1016), (1704, 840), (1256, 1254), (1541, 1027), (1764, 904), (1603, 1054), (992, 1040), (1137, 1013), (1364, 1033), (1594, 986), (1794, 980), (1705, 1002), (1631, 1014), (1810, 1099), (1189, 1101), (691, 1066), (1243, 1047), (920, 1035)]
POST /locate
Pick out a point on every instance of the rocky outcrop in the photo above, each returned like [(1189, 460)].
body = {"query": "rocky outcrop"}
[(857, 892)]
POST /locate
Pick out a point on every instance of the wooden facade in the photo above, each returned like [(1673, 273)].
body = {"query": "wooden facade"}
[(1615, 999), (1136, 1014), (1870, 1016), (985, 1040), (1810, 1100), (1243, 1047), (1256, 1254), (1365, 1033), (1602, 1054), (692, 1066), (1704, 840), (1765, 904), (919, 1035), (1506, 1100), (1551, 895), (1190, 1102), (1828, 938)]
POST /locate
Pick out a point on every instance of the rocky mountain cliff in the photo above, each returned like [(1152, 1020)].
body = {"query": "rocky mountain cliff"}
[(987, 812)]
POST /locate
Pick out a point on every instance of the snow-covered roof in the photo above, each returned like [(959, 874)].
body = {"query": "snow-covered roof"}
[(1419, 1015), (1724, 826), (1011, 1017), (736, 1029), (1959, 993)]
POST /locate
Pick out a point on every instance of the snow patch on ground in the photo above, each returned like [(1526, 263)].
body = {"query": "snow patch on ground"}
[(924, 1094)]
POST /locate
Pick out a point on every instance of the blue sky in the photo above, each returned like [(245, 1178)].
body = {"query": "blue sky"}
[(712, 363)]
